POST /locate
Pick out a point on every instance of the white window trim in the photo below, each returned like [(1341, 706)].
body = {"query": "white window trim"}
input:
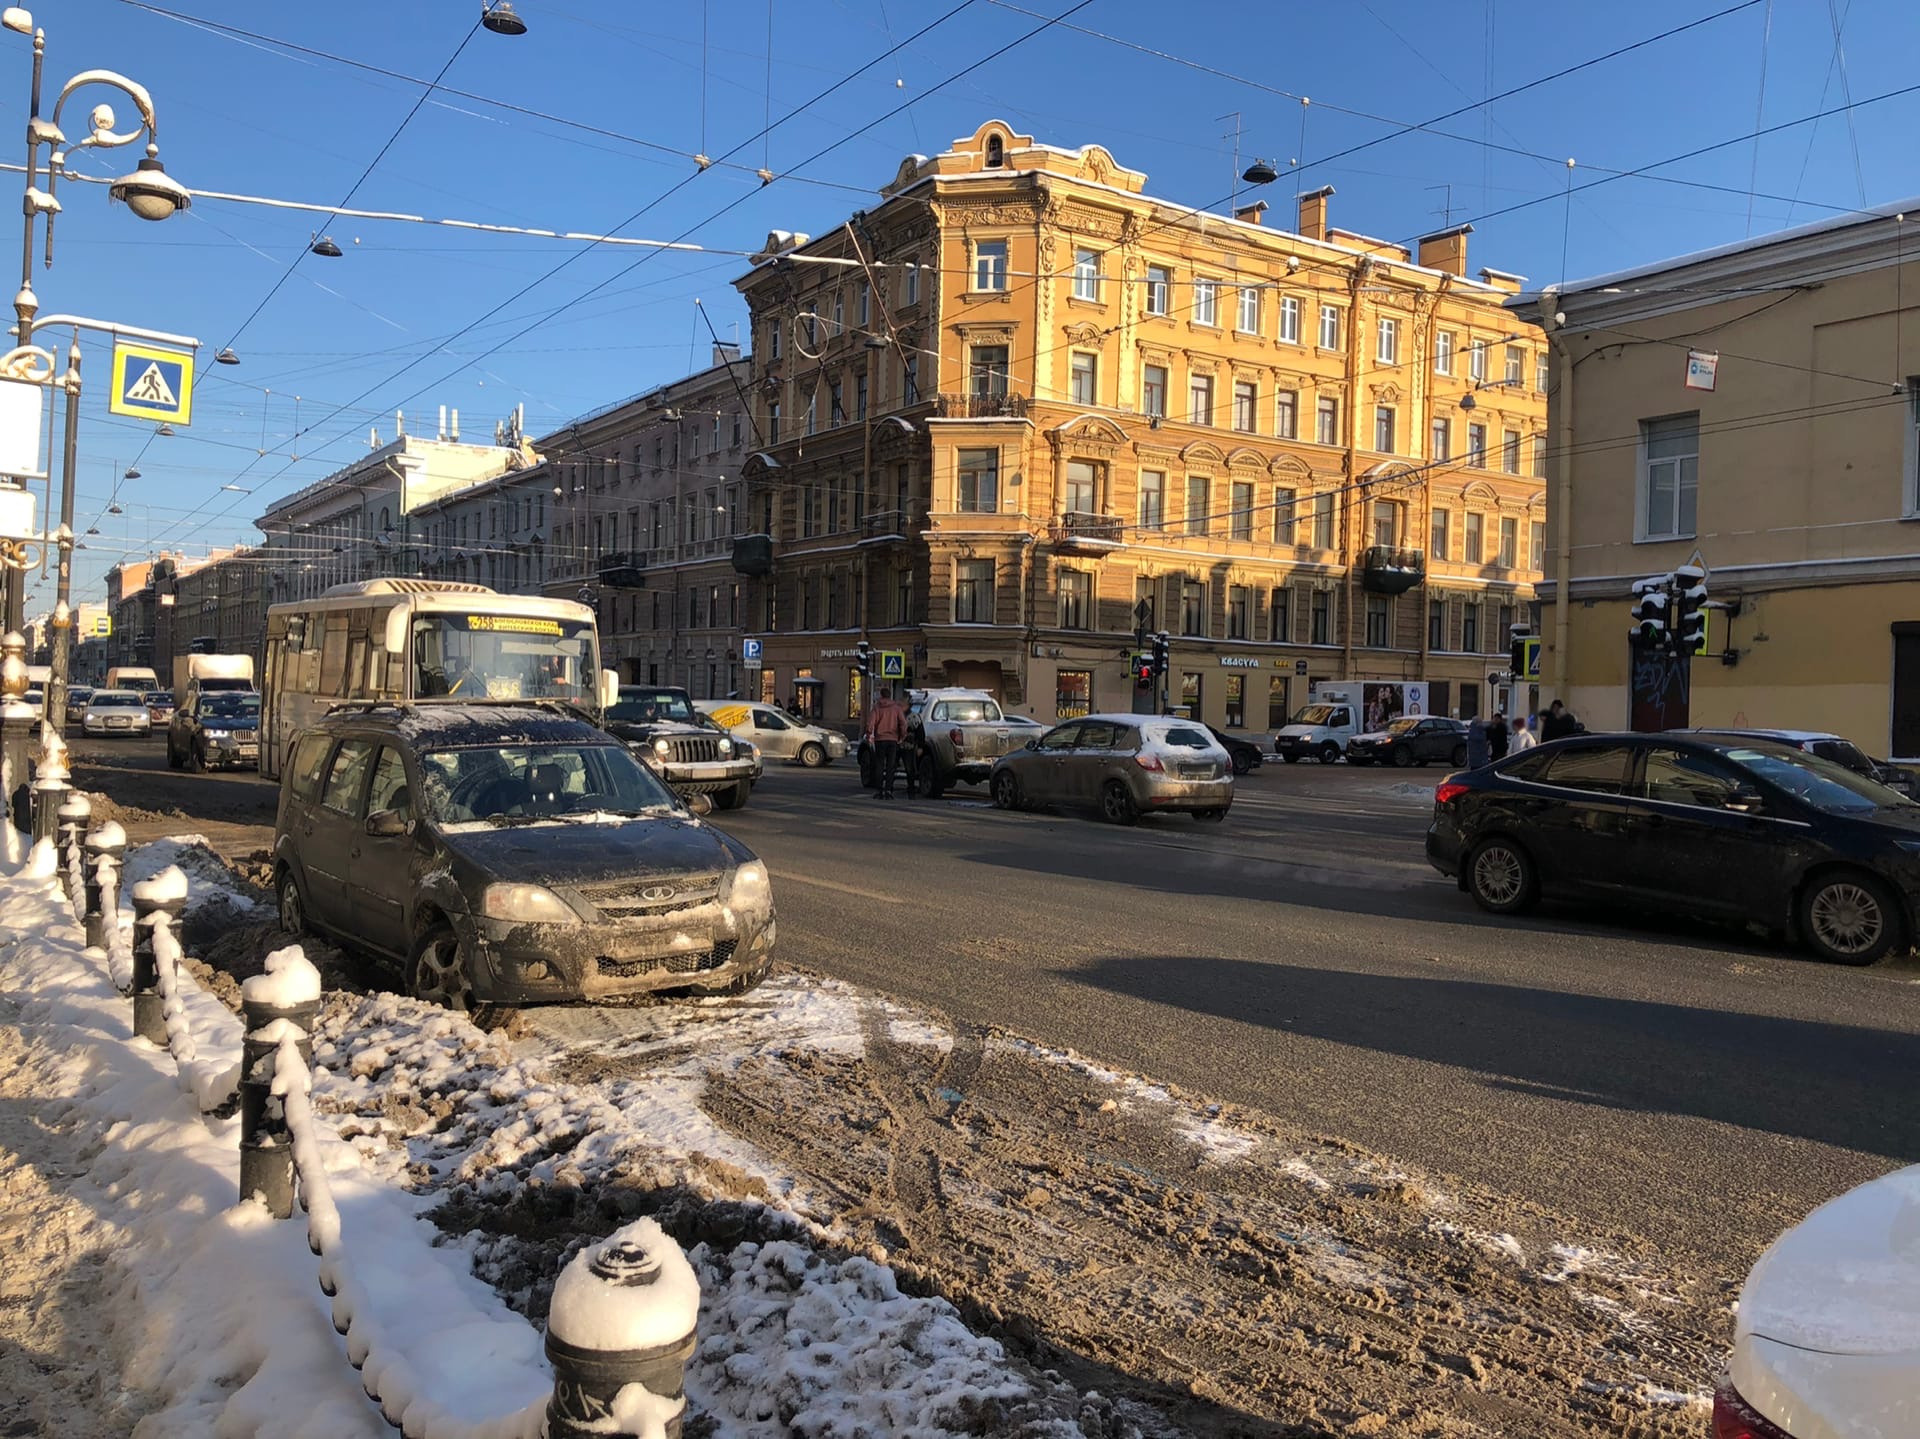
[(1165, 285), (1240, 324), (1282, 337), (1910, 497), (1087, 278), (1212, 286), (1386, 332), (1641, 534), (1006, 260), (1327, 311)]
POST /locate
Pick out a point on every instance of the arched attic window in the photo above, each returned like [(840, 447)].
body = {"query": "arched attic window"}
[(996, 152)]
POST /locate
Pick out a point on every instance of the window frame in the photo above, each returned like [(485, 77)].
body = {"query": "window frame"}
[(1158, 519), (1209, 313), (1444, 344), (1149, 390), (1197, 387), (1329, 331), (1289, 334), (1086, 274), (988, 267), (1249, 296), (1247, 391), (1083, 378), (1643, 530), (968, 582), (1386, 340), (1159, 285), (1286, 414), (962, 468)]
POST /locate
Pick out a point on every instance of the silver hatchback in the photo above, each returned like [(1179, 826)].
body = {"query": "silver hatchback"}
[(1123, 765)]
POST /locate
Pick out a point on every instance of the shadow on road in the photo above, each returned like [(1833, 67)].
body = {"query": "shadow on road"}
[(1836, 1084)]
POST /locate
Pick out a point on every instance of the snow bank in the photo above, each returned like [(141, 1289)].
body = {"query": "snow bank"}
[(209, 881), (289, 981)]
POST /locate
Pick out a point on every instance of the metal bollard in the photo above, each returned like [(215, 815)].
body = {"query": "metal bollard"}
[(266, 1144), (105, 845), (72, 818), (149, 1020), (633, 1283)]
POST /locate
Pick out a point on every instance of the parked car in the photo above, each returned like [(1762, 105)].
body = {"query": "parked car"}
[(958, 734), (1124, 765), (1411, 740), (1318, 731), (510, 854), (160, 705), (217, 729), (776, 732), (78, 698), (36, 698), (700, 766), (1825, 1333), (1751, 831), (740, 746), (1244, 753), (115, 712), (1835, 747)]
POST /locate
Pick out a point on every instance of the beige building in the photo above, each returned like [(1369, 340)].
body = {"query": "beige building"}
[(1756, 405), (1022, 406)]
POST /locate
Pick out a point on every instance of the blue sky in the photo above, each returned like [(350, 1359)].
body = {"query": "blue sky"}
[(415, 317)]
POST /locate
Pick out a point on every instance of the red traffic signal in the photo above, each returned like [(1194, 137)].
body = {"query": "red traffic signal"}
[(1142, 673)]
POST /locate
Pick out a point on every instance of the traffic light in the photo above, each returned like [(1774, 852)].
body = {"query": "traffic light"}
[(863, 658), (1162, 658), (1652, 613), (1143, 672), (1689, 609), (1517, 637)]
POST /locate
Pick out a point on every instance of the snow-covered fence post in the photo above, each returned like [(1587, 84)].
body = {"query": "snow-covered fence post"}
[(50, 787), (106, 846), (72, 819), (16, 745), (619, 1335), (280, 1004), (162, 897)]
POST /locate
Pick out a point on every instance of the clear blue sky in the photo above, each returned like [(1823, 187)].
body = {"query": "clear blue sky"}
[(381, 328)]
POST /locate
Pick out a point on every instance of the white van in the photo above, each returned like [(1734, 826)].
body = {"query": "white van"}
[(132, 677), (1321, 729), (777, 734)]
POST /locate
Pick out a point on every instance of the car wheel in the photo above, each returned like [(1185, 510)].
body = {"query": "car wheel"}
[(1327, 753), (735, 798), (1847, 918), (931, 784), (1006, 790), (1215, 815), (1500, 877), (813, 754), (1402, 757), (1459, 756), (1116, 803), (1242, 762), (438, 972), (293, 907)]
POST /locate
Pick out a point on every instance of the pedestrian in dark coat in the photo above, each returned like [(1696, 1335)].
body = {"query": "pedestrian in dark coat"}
[(1477, 745), (1498, 735), (1558, 724)]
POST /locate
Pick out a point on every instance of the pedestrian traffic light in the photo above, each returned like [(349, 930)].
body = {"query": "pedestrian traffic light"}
[(1517, 637), (1143, 672), (1162, 658), (863, 657), (1652, 613), (1689, 609)]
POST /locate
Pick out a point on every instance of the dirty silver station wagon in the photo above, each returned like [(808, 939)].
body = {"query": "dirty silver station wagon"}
[(505, 854)]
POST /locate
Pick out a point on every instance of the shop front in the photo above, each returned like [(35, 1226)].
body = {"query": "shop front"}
[(1237, 691)]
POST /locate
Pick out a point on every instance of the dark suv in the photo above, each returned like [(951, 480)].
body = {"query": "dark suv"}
[(509, 854)]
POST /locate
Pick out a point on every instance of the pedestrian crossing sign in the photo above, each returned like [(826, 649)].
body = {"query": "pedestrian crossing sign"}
[(893, 664), (152, 384), (1530, 651)]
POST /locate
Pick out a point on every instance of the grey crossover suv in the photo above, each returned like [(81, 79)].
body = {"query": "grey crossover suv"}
[(510, 853)]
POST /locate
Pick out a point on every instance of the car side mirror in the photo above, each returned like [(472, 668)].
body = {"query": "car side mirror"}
[(388, 823), (1031, 744), (1746, 801)]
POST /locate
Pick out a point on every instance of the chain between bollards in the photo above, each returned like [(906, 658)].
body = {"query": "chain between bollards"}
[(266, 1141), (73, 816), (105, 847), (149, 1013)]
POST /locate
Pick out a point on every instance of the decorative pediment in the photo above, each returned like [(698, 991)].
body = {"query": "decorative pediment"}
[(1082, 333), (985, 334), (1202, 452), (1246, 459), (1289, 467), (1083, 431), (1480, 492), (1387, 394), (1388, 470)]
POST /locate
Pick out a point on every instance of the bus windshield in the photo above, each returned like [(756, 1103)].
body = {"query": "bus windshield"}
[(477, 656)]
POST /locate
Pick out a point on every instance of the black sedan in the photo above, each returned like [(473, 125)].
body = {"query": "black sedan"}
[(1744, 830), (1244, 753), (1411, 740)]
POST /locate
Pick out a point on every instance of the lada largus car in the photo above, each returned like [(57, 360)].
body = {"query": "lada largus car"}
[(507, 854)]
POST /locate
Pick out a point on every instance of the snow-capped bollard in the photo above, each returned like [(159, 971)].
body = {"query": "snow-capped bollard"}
[(105, 846), (284, 1001), (74, 813), (619, 1335), (164, 894), (50, 787)]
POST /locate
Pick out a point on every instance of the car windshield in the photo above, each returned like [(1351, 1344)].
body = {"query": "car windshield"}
[(505, 657), (644, 706), (1844, 753), (160, 697), (117, 701), (1826, 786), (1315, 714), (230, 706), (528, 784)]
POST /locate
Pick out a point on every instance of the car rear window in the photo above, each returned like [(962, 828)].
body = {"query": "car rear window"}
[(1182, 737), (1843, 752)]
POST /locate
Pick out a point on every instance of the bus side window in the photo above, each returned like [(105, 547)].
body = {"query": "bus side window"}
[(333, 656), (357, 668)]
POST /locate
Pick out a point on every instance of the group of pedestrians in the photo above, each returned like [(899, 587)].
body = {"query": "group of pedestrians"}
[(892, 746), (1496, 737)]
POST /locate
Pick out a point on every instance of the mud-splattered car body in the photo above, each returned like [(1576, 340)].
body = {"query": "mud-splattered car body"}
[(511, 854)]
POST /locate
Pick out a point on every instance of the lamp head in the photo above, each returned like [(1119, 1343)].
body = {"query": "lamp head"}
[(226, 357), (150, 192), (500, 18), (1260, 173), (18, 20)]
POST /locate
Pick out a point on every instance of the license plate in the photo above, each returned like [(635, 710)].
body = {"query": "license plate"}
[(1196, 771), (119, 724)]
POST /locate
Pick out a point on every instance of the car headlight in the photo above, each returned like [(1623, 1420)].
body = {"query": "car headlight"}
[(726, 745), (661, 747), (526, 903), (748, 893)]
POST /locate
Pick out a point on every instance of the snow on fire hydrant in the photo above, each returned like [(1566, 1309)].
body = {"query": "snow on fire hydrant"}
[(619, 1335)]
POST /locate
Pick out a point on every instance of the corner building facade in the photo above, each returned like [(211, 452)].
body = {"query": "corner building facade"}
[(1021, 408)]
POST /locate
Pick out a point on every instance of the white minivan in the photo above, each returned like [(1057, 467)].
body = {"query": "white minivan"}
[(777, 734)]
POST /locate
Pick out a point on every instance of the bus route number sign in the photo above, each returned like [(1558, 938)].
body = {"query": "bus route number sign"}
[(513, 625)]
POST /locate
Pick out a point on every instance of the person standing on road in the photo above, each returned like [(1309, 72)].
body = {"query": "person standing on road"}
[(1559, 723), (888, 727), (1497, 735), (1523, 737), (1477, 744)]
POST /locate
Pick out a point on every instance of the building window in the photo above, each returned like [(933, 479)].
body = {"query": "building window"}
[(973, 593), (1470, 628), (813, 412), (1436, 624), (836, 412), (1326, 420), (1320, 618), (1329, 327), (1153, 391), (1383, 429), (1440, 440), (1200, 399), (1072, 694), (1283, 516), (1159, 289), (1510, 451), (1247, 322), (1539, 457), (1286, 414), (903, 596), (1475, 551), (1378, 614), (1076, 600), (1236, 701), (1443, 352), (863, 309), (1197, 488), (977, 489), (1477, 362), (910, 380), (1280, 617), (1193, 608), (1537, 546), (1477, 446), (1083, 487), (912, 286), (1206, 302), (1086, 274), (1669, 476), (1516, 365), (773, 424), (1509, 551), (1083, 380), (1323, 522), (1290, 320), (1245, 397), (1387, 351), (1239, 605), (1153, 499), (1240, 518), (987, 371), (990, 265), (1542, 371), (1438, 536), (1386, 523), (860, 397)]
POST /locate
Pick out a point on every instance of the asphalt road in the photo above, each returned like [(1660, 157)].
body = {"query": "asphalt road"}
[(1693, 1086)]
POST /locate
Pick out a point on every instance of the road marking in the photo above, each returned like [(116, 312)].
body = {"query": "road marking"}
[(787, 877)]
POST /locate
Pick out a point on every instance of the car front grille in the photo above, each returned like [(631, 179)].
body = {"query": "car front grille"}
[(640, 900), (692, 750), (686, 962)]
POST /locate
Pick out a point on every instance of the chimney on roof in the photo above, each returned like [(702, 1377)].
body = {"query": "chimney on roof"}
[(399, 424), (1313, 212), (725, 352), (453, 425), (1251, 213), (1446, 251)]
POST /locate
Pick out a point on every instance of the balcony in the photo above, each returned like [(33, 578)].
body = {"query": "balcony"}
[(883, 525), (1085, 532), (981, 407), (1391, 569), (622, 571)]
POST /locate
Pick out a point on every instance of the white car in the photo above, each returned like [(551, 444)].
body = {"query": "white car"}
[(1827, 1337), (117, 712), (778, 734)]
